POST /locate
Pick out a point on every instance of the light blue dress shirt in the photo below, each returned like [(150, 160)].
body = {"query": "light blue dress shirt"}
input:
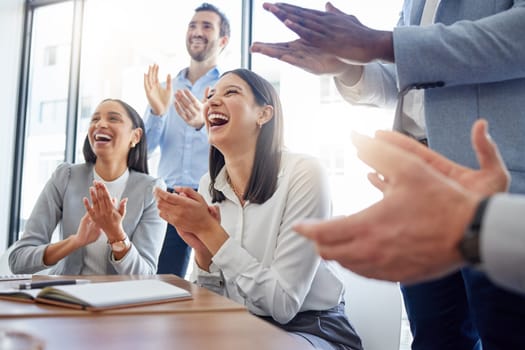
[(183, 149)]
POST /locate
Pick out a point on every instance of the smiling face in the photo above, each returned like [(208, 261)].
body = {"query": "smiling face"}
[(111, 134), (203, 40), (233, 117)]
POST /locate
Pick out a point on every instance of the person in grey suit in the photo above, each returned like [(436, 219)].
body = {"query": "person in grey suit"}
[(119, 231), (410, 249), (468, 59)]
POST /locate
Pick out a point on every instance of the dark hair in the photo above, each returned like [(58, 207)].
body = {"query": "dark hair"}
[(225, 24), (263, 179), (138, 155)]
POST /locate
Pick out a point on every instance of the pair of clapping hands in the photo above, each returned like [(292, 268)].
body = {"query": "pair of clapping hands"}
[(197, 223), (413, 233), (102, 214), (159, 97)]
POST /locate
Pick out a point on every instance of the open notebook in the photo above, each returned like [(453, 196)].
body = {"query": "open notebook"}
[(102, 296)]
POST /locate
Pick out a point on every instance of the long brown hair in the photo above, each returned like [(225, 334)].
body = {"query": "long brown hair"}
[(263, 180)]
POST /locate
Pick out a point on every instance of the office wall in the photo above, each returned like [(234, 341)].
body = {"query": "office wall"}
[(11, 28)]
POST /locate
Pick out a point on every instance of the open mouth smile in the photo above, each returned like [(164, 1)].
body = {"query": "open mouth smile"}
[(102, 138), (217, 119)]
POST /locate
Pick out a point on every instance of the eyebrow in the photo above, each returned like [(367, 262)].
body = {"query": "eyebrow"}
[(203, 22), (227, 87), (110, 113), (233, 86)]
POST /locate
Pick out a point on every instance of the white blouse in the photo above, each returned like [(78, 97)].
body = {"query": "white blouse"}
[(264, 264)]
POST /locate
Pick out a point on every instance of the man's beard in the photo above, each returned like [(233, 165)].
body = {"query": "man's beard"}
[(199, 56), (204, 53)]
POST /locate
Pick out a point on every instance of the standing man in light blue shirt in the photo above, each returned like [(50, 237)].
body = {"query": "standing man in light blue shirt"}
[(177, 127)]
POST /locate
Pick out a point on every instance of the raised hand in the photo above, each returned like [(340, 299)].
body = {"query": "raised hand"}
[(189, 108), (159, 97), (492, 177), (300, 54), (412, 234), (335, 32)]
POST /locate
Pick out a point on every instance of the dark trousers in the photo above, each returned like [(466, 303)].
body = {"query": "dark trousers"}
[(464, 311), (175, 254), (324, 329)]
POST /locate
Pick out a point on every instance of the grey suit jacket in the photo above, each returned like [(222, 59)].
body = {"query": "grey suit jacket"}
[(61, 202), (471, 63)]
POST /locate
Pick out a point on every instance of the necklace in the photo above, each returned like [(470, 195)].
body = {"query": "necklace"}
[(237, 193)]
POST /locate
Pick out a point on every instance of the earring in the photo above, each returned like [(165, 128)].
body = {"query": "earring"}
[(133, 145), (259, 125)]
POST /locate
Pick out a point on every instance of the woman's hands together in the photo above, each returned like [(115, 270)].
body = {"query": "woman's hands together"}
[(197, 223)]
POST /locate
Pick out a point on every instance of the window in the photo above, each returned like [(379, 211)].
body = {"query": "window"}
[(50, 56), (317, 120), (47, 100), (115, 53), (117, 50), (52, 113)]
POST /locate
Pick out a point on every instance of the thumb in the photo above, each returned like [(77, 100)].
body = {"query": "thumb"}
[(190, 193), (332, 9), (122, 207), (376, 181), (486, 149), (215, 211)]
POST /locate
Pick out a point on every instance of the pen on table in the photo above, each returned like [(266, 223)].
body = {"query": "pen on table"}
[(49, 283)]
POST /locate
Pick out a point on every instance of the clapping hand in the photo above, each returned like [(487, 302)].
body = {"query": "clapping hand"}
[(159, 97), (335, 32), (103, 212), (300, 54), (189, 108), (197, 223)]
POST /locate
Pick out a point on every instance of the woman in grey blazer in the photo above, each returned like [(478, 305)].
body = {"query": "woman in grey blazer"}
[(119, 231)]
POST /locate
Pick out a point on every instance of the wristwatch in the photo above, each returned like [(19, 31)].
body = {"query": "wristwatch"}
[(119, 246), (469, 246)]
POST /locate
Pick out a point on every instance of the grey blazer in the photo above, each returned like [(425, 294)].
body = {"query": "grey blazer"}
[(471, 64), (61, 202)]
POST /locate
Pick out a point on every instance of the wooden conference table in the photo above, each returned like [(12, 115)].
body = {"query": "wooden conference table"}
[(207, 321)]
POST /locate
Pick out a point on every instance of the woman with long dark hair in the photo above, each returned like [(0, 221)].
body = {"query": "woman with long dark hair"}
[(240, 222), (119, 231)]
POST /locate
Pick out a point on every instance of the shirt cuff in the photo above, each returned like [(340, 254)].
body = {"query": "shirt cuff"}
[(231, 259), (502, 243), (351, 92), (154, 120)]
